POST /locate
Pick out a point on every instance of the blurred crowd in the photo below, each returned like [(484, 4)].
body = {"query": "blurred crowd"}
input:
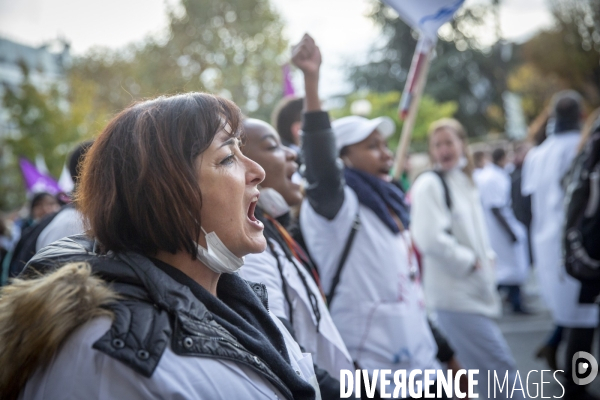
[(185, 264)]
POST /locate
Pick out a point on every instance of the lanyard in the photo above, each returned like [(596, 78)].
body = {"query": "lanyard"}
[(412, 268), (298, 252)]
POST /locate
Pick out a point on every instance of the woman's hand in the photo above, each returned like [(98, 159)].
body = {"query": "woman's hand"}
[(307, 56)]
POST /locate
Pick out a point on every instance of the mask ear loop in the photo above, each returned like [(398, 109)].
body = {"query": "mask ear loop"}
[(203, 231), (196, 221), (205, 235), (347, 162)]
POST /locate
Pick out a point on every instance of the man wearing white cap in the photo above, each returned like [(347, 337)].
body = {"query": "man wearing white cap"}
[(354, 224)]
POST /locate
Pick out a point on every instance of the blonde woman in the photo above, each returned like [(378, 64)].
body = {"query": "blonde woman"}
[(448, 227)]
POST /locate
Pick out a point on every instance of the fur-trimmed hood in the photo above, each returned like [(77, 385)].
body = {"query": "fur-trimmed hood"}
[(154, 311), (37, 315)]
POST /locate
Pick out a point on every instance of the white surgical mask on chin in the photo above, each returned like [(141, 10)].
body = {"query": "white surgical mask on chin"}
[(272, 202), (218, 257)]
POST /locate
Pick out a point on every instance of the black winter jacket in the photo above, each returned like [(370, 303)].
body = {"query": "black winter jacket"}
[(154, 311)]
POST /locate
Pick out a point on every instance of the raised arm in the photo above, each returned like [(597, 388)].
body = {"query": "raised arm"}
[(323, 171)]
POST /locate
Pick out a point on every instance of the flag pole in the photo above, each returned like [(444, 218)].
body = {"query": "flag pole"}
[(409, 105)]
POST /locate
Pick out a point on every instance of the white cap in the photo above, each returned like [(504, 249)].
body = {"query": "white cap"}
[(355, 129)]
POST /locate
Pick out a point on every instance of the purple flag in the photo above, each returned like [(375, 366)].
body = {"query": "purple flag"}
[(288, 87), (35, 181)]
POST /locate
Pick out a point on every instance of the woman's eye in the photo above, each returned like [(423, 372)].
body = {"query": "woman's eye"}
[(228, 160)]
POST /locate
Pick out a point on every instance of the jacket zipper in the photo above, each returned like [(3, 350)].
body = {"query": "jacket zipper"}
[(283, 389)]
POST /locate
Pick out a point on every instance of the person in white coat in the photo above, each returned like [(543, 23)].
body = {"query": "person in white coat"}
[(448, 227), (377, 303), (543, 169), (508, 236), (292, 281), (168, 198)]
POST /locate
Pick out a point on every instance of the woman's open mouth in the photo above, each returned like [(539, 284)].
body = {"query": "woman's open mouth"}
[(385, 170), (384, 173), (291, 173), (250, 213)]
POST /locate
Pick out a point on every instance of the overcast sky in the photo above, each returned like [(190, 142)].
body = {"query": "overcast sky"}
[(340, 27)]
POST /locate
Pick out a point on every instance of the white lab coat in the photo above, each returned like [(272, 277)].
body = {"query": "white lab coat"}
[(66, 223), (512, 258), (543, 169), (78, 371), (451, 242), (378, 308), (327, 347)]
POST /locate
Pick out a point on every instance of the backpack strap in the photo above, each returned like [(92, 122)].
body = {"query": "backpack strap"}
[(582, 222), (345, 252), (446, 190)]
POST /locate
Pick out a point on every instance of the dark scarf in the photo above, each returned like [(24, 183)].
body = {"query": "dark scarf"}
[(237, 309), (380, 196)]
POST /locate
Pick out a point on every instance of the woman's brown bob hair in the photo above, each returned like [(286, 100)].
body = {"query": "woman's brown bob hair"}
[(139, 186)]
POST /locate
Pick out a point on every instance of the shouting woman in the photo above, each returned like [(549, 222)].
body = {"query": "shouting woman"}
[(169, 201)]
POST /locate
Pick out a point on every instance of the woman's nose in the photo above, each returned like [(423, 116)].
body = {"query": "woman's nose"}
[(290, 154), (387, 154), (255, 174)]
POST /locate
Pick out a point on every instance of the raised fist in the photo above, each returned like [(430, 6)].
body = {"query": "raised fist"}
[(306, 55)]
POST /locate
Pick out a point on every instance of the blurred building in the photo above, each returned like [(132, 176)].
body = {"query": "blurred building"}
[(46, 65)]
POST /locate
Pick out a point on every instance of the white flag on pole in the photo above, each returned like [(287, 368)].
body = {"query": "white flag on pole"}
[(40, 164), (426, 16)]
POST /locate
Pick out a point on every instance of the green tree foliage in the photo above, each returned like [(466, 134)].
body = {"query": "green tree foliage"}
[(49, 123), (463, 70), (226, 48), (565, 56), (386, 104), (535, 88), (232, 49)]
